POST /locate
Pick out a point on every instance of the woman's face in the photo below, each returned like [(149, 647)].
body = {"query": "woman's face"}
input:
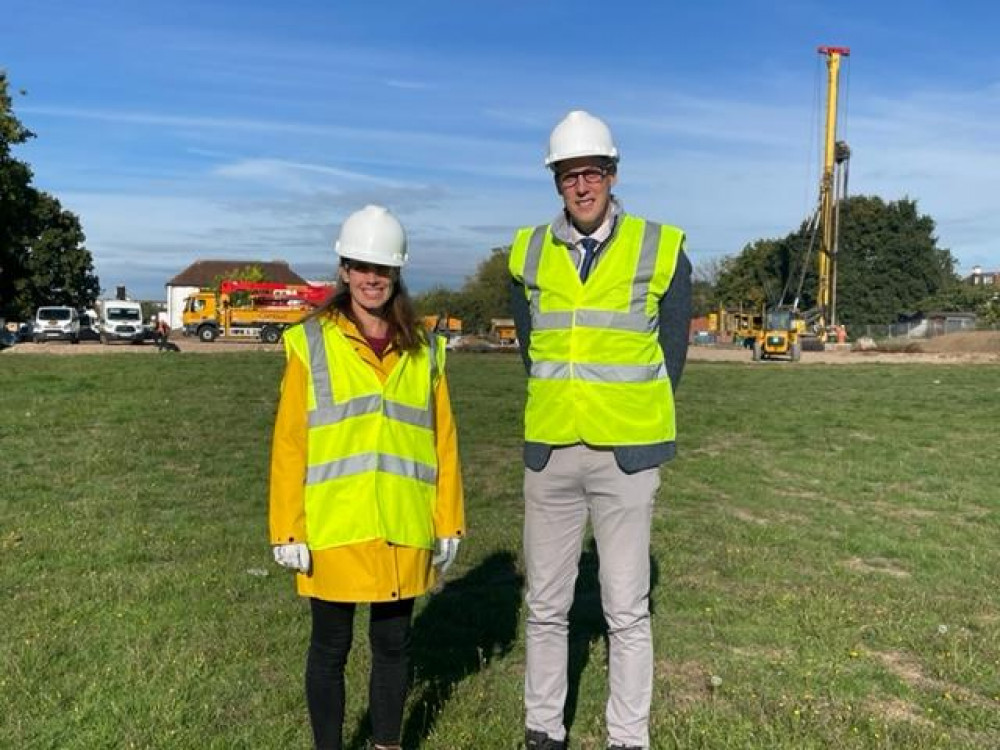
[(370, 285)]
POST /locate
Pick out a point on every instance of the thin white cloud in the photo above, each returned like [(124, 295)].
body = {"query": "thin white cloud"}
[(295, 175)]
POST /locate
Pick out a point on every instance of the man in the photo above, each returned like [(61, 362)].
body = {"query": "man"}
[(601, 301)]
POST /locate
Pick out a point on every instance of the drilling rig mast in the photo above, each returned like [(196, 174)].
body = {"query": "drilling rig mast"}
[(832, 188)]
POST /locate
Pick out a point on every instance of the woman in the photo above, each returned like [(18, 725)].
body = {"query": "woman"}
[(366, 494)]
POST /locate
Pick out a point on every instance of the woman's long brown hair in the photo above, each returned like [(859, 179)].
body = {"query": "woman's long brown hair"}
[(404, 328)]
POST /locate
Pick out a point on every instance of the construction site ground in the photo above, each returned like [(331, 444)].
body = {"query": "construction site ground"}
[(978, 347)]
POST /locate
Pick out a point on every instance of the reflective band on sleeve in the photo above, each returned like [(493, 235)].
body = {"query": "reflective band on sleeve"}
[(365, 462), (322, 387), (598, 373), (337, 413), (409, 414)]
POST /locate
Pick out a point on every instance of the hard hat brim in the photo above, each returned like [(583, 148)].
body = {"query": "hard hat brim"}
[(553, 159), (378, 259)]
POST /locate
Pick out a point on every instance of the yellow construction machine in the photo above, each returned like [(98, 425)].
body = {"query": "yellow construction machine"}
[(780, 336)]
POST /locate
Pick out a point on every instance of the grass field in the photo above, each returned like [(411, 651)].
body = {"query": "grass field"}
[(826, 553)]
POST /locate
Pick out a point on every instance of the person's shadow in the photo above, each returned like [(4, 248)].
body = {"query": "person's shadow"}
[(462, 629), (587, 624)]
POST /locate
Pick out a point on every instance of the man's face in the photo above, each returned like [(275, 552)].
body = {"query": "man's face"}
[(585, 186)]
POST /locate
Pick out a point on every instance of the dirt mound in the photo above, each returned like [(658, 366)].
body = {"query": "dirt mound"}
[(986, 342)]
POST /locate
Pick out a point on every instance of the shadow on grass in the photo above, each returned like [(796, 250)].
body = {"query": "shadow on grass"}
[(458, 633), (587, 624)]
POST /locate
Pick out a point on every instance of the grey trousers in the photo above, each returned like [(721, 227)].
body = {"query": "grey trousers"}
[(580, 482)]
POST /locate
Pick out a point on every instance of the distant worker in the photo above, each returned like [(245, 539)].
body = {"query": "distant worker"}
[(601, 302), (161, 333), (365, 491), (841, 334)]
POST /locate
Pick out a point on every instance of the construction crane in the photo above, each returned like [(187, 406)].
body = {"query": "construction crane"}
[(832, 187), (824, 224)]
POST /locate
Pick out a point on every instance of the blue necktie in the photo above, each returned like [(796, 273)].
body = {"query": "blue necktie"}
[(589, 245)]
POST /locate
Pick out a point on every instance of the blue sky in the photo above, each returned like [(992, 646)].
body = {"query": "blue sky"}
[(215, 129)]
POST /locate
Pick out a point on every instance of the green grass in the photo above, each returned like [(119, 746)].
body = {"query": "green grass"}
[(825, 554)]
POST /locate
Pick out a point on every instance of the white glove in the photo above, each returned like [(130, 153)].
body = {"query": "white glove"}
[(444, 556), (294, 556)]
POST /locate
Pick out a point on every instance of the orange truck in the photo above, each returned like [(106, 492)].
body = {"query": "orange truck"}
[(257, 310)]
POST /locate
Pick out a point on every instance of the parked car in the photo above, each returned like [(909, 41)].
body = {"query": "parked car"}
[(56, 323)]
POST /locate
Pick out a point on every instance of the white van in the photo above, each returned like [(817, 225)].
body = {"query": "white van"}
[(56, 323), (119, 320)]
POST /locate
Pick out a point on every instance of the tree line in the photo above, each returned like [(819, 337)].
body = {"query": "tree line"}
[(43, 259)]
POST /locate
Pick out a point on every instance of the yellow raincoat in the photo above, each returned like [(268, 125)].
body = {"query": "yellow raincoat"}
[(372, 571)]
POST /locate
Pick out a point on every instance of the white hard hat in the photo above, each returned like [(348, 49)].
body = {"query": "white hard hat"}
[(372, 235), (580, 134)]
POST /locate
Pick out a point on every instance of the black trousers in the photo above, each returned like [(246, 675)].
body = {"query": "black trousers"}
[(389, 634)]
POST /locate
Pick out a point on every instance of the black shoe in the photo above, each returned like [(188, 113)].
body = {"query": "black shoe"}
[(534, 740)]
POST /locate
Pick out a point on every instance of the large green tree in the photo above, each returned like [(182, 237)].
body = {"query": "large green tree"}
[(43, 259), (889, 260), (888, 264), (487, 292), (15, 201)]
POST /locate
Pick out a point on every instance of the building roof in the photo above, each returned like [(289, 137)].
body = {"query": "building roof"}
[(978, 274), (204, 273)]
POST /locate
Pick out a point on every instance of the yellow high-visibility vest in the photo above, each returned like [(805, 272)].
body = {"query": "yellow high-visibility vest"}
[(372, 456), (597, 371)]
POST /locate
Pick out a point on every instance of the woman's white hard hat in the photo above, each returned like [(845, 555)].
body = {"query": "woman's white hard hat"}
[(580, 134), (373, 235)]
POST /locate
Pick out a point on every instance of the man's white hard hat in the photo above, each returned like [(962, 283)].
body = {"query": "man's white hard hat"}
[(580, 134), (373, 235)]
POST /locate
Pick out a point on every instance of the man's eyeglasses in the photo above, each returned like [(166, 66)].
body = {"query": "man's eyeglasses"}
[(362, 267), (591, 176)]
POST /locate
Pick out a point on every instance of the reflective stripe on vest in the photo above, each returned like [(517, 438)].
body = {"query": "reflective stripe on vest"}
[(363, 462), (598, 373), (372, 458)]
